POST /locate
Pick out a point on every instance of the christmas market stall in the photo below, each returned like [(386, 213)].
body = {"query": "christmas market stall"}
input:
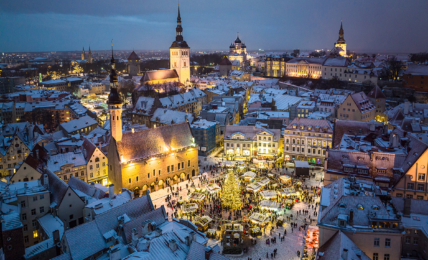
[(285, 179), (288, 192), (263, 181), (232, 238), (259, 219), (268, 194), (254, 187), (197, 197), (211, 233), (187, 208), (270, 205), (203, 223), (230, 164), (289, 204), (213, 188), (255, 231), (249, 176)]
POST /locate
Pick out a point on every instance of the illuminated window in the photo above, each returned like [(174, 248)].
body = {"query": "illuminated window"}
[(359, 206), (35, 234)]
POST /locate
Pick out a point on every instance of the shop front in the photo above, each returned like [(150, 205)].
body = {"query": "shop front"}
[(312, 160)]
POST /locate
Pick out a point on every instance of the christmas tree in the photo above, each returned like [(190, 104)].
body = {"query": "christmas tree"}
[(231, 194)]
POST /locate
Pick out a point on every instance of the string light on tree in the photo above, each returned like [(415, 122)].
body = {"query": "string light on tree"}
[(231, 195)]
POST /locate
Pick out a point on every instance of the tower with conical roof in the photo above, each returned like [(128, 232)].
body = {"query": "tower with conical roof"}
[(89, 55), (341, 41), (179, 53), (83, 54), (133, 64), (114, 103)]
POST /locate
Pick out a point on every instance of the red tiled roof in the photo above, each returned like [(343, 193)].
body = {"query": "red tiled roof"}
[(376, 93), (225, 61), (153, 141), (362, 102)]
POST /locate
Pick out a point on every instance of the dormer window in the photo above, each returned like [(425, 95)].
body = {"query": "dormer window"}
[(375, 207), (348, 169), (342, 206), (359, 206), (294, 126)]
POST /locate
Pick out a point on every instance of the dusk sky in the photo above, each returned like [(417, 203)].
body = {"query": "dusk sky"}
[(370, 25)]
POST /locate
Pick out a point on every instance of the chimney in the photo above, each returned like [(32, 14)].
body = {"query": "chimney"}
[(115, 253), (372, 126), (385, 129), (144, 245), (153, 225), (55, 235), (351, 217), (188, 240), (46, 180), (393, 142), (172, 245), (111, 191), (345, 254), (145, 227), (406, 107), (121, 220), (208, 250), (193, 235), (134, 237), (407, 207)]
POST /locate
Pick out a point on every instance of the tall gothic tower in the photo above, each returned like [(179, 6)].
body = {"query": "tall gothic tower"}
[(83, 54), (341, 41), (90, 55), (179, 54), (114, 104)]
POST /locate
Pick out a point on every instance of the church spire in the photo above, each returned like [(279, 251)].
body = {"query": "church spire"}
[(83, 54), (341, 34), (114, 103), (179, 29), (178, 17), (89, 48), (113, 74)]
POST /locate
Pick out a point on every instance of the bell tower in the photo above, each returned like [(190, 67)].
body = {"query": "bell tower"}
[(89, 55), (341, 41), (114, 103), (179, 54), (83, 54)]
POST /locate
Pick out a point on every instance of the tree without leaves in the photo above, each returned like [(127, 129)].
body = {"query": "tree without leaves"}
[(392, 66), (421, 57)]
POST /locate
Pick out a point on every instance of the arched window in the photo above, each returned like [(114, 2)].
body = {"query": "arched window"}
[(97, 159)]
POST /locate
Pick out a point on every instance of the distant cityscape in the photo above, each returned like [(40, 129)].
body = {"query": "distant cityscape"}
[(214, 155)]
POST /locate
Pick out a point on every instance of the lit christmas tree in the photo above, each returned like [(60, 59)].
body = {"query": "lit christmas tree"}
[(231, 194)]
